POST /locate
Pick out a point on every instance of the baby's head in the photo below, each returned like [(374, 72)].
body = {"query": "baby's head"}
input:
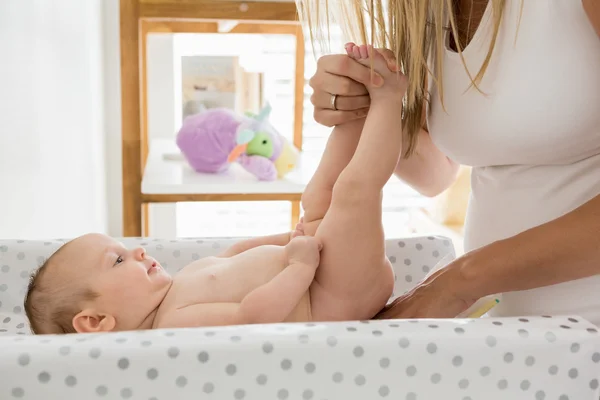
[(94, 284)]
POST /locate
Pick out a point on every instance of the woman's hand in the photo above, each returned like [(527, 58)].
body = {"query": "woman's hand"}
[(339, 93), (444, 294)]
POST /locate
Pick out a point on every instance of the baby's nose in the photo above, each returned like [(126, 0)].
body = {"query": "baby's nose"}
[(140, 253)]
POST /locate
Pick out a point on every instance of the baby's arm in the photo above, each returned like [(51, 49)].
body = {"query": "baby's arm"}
[(275, 300)]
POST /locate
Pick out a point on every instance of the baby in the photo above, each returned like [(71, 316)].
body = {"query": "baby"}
[(332, 268)]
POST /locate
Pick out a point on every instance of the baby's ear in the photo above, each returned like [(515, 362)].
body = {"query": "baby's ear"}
[(89, 320)]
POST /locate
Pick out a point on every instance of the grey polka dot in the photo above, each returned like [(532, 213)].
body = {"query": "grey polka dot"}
[(5, 268), (529, 361), (261, 379), (436, 254), (497, 323), (523, 320), (181, 381), (573, 320), (126, 393), (307, 394), (459, 330), (550, 337), (203, 357), (121, 340), (152, 373), (393, 260), (384, 391), (540, 395), (176, 253), (431, 348), (3, 287), (195, 256), (337, 377), (24, 274), (123, 363), (404, 343), (303, 339), (594, 384), (146, 343), (419, 246), (282, 394), (502, 384), (491, 341), (596, 357), (310, 367), (24, 359), (411, 370), (95, 352), (411, 396), (267, 347), (351, 329), (101, 390), (463, 383), (523, 333), (18, 392), (563, 397), (592, 330), (509, 357), (525, 385), (159, 247), (231, 369), (358, 351), (408, 278), (360, 380), (286, 364), (21, 325), (436, 378), (64, 350), (21, 256), (400, 244), (426, 268), (70, 381), (553, 370), (17, 310), (208, 387), (484, 371), (457, 361), (575, 347), (44, 377), (3, 249), (173, 352), (384, 362), (239, 394), (573, 373), (331, 341), (169, 333), (407, 261)]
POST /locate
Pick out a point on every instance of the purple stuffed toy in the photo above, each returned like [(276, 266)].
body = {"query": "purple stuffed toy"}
[(211, 140)]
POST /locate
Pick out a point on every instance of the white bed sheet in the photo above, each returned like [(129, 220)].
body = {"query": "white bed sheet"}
[(535, 358)]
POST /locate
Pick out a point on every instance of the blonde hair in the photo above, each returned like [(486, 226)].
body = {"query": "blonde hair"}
[(414, 30), (50, 308)]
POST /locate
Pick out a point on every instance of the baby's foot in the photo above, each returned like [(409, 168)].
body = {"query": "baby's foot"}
[(395, 83)]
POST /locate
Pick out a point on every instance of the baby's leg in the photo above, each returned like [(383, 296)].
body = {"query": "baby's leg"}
[(317, 196), (355, 279)]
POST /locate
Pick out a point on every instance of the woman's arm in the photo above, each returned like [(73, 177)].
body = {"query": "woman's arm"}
[(562, 250), (558, 251), (592, 9)]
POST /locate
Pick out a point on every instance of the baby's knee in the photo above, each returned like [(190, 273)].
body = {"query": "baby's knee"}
[(315, 203)]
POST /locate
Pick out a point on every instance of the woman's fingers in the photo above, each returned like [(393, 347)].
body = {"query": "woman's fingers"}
[(331, 118), (321, 99), (336, 84), (344, 66)]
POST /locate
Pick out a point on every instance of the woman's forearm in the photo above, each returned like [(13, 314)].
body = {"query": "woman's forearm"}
[(562, 250)]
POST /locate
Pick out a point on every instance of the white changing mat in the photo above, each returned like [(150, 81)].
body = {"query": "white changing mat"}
[(539, 358)]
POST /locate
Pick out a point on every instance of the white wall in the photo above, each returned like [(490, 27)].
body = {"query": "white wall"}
[(52, 142)]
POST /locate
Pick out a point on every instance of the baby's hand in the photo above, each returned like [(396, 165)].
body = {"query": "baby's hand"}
[(384, 63), (304, 250)]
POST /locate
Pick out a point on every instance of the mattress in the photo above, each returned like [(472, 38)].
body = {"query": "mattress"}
[(533, 357)]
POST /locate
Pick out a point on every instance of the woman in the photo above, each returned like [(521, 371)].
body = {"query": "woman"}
[(517, 97)]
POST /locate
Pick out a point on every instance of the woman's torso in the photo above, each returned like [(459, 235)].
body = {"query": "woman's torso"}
[(533, 139)]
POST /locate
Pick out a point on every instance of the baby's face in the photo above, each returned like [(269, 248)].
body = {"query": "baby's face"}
[(131, 284)]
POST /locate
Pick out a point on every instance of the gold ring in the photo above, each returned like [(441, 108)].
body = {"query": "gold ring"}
[(333, 100)]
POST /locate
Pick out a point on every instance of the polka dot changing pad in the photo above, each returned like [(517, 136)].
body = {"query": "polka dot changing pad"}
[(539, 358)]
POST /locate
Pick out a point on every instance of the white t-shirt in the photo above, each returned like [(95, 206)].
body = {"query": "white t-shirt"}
[(532, 138)]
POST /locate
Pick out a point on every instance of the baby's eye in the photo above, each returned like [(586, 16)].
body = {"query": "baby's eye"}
[(119, 260)]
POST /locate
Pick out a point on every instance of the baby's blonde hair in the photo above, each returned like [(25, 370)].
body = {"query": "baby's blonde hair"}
[(50, 308), (414, 30)]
